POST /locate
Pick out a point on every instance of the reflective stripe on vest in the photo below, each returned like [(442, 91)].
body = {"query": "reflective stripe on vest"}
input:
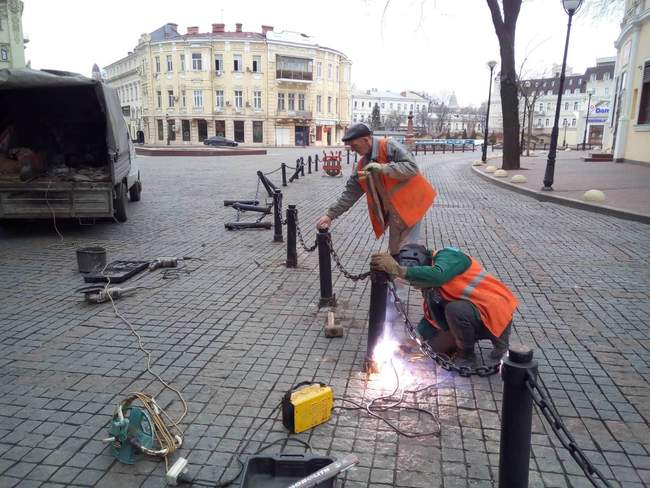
[(467, 292)]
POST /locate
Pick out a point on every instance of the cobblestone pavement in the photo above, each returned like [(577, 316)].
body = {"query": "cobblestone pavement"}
[(240, 329)]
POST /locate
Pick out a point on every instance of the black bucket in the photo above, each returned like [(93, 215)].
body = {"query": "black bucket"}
[(91, 259)]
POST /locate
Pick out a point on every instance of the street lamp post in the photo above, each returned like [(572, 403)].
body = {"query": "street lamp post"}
[(167, 123), (491, 64), (565, 123), (584, 137), (570, 7)]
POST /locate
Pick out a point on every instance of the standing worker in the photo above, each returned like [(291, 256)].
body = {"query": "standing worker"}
[(398, 195), (462, 304)]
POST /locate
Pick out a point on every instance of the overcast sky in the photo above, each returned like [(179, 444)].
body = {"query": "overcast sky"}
[(438, 46)]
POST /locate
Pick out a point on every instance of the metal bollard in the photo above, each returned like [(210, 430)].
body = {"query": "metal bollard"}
[(473, 147), (316, 163), (347, 155), (309, 164), (292, 254), (425, 150), (284, 174), (327, 297), (296, 175), (444, 148), (416, 149), (434, 149), (463, 147), (453, 148), (376, 317), (302, 166), (516, 417), (277, 216)]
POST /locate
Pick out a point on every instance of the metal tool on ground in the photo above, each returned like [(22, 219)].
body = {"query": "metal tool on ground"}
[(328, 472), (103, 293), (165, 262), (116, 271), (332, 329), (230, 203)]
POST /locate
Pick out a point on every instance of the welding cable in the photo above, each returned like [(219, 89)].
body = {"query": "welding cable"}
[(371, 409)]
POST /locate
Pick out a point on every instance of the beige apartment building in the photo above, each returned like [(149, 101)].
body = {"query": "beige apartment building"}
[(630, 119), (12, 41), (256, 88)]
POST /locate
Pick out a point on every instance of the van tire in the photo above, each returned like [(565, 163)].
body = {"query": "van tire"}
[(135, 191), (120, 202)]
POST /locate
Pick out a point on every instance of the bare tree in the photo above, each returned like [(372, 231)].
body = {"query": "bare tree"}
[(394, 120), (442, 116), (530, 91), (504, 25)]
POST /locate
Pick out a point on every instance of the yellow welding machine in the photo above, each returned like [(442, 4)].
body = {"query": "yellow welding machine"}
[(307, 405)]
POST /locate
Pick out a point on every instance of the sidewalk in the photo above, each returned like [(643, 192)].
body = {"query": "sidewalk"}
[(626, 186)]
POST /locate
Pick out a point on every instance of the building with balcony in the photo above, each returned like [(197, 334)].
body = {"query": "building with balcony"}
[(394, 107), (630, 121), (12, 41), (257, 88)]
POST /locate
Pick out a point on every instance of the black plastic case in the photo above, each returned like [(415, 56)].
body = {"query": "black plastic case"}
[(280, 470)]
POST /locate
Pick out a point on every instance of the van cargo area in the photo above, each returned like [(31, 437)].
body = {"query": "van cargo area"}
[(64, 147)]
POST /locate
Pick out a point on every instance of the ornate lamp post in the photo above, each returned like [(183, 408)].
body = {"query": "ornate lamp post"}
[(584, 137), (491, 64), (570, 7)]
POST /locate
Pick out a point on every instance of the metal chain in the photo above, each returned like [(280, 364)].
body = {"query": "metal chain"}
[(302, 241), (441, 359), (343, 271), (555, 422), (274, 171)]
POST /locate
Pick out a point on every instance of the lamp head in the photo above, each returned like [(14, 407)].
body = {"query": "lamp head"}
[(492, 64), (571, 6)]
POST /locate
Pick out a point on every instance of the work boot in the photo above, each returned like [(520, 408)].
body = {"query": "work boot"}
[(501, 344), (465, 358)]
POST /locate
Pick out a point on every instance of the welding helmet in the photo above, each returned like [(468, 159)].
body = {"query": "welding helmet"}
[(414, 255)]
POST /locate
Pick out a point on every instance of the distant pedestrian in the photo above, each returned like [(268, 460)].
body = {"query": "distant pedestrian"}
[(398, 195)]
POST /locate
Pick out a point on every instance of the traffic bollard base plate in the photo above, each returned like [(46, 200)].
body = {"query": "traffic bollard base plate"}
[(327, 302)]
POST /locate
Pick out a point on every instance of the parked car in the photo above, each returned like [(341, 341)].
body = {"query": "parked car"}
[(219, 141)]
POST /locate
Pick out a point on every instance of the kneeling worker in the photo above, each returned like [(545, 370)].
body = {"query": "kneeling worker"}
[(462, 302)]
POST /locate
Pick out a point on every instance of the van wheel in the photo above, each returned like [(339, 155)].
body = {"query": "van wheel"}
[(135, 191), (120, 203)]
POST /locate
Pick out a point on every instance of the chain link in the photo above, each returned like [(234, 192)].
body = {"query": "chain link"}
[(302, 241), (555, 422), (339, 265), (442, 360), (274, 171)]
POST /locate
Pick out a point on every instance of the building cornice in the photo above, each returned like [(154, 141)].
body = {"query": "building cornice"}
[(631, 26)]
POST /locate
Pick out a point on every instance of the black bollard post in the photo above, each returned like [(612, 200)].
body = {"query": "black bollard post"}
[(277, 216), (327, 297), (302, 166), (316, 163), (463, 147), (292, 254), (376, 317), (425, 150), (284, 174), (309, 164), (493, 147), (434, 148), (444, 148), (516, 417), (473, 147), (296, 175), (416, 149), (347, 155)]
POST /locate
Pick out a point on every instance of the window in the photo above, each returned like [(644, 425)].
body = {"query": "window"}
[(548, 107), (159, 98), (157, 64), (182, 62), (257, 100), (355, 104), (541, 107), (218, 99), (280, 102), (606, 76), (576, 105), (257, 65), (382, 104), (290, 68), (363, 104), (301, 101), (258, 131), (239, 130), (546, 123), (399, 107), (566, 105), (183, 99), (239, 99), (236, 62), (185, 125), (198, 98), (170, 98), (291, 99), (592, 77), (329, 71), (161, 136), (218, 63), (606, 91), (573, 122), (329, 105), (570, 81), (411, 106), (319, 70), (170, 65), (390, 105), (644, 105), (564, 122), (318, 103), (220, 128), (197, 62)]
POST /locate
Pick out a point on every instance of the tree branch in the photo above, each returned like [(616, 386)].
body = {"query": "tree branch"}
[(497, 20)]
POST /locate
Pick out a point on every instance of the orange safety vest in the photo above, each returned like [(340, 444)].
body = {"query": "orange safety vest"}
[(495, 302), (410, 198)]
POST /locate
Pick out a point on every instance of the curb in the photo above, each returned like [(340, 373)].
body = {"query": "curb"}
[(568, 202)]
